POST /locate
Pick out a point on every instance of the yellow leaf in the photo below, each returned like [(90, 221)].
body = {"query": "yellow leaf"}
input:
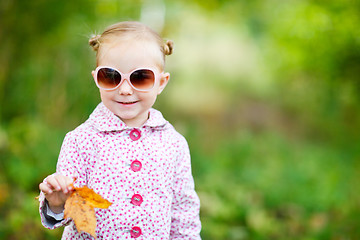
[(80, 207)]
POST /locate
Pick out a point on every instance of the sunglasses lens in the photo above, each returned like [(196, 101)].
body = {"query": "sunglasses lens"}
[(143, 79), (108, 78)]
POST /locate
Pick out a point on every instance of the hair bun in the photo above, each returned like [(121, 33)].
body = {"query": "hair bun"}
[(168, 47), (94, 42)]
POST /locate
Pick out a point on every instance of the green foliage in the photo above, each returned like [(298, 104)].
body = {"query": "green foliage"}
[(266, 92)]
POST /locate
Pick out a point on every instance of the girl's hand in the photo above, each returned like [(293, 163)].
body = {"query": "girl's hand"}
[(57, 189)]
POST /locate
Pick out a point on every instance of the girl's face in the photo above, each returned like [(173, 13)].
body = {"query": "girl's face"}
[(130, 105)]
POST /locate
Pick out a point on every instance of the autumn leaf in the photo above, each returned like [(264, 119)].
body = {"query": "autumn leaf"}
[(80, 208)]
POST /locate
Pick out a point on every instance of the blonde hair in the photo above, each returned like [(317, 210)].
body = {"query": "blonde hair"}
[(133, 29)]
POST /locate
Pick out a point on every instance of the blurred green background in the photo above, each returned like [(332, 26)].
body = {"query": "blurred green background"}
[(266, 92)]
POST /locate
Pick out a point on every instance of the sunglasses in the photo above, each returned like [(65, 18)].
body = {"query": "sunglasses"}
[(141, 79)]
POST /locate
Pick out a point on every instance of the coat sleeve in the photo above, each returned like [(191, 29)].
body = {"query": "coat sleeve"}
[(71, 163), (185, 220)]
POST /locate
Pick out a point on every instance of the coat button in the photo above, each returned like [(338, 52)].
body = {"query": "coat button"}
[(136, 199), (136, 166), (135, 232), (135, 134)]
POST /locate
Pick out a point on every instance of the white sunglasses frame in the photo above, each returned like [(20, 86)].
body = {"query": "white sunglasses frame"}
[(126, 76)]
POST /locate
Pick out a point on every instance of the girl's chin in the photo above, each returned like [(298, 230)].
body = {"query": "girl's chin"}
[(133, 120)]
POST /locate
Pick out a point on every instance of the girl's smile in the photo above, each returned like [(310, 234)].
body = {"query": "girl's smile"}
[(127, 103)]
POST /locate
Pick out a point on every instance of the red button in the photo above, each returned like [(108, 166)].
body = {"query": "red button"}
[(135, 134), (136, 199), (135, 232), (136, 166)]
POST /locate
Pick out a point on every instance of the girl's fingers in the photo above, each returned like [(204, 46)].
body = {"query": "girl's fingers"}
[(45, 188), (62, 183), (69, 182), (57, 182), (53, 183)]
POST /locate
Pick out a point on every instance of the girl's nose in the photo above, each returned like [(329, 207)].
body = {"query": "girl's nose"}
[(125, 88)]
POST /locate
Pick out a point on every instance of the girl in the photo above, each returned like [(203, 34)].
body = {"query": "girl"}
[(126, 151)]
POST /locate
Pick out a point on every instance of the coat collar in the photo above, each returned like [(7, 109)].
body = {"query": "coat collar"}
[(104, 120)]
